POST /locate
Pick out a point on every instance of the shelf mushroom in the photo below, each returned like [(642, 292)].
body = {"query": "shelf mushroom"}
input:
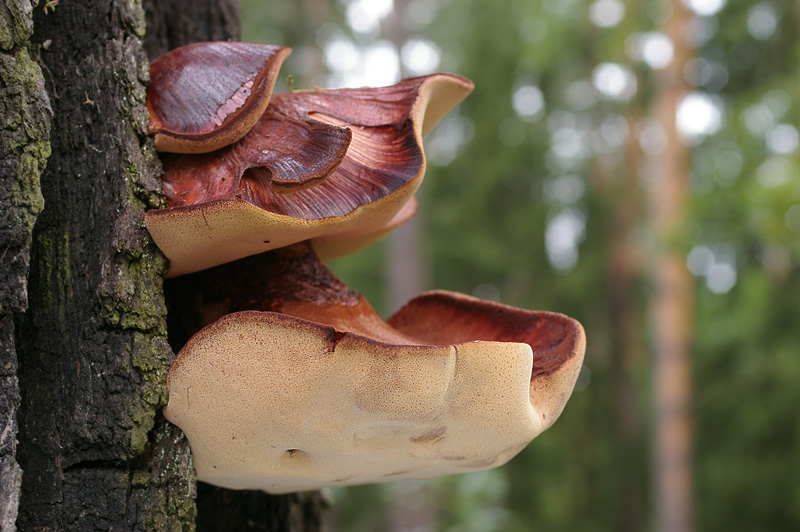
[(289, 380), (204, 96), (316, 390), (331, 166)]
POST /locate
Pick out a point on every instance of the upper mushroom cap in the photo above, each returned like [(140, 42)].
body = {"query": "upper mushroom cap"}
[(204, 96), (322, 394), (225, 209)]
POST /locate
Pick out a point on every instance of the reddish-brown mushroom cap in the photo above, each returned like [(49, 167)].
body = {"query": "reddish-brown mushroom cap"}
[(214, 221), (321, 392), (204, 96)]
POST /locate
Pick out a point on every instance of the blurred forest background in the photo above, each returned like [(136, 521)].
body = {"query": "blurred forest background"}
[(633, 164)]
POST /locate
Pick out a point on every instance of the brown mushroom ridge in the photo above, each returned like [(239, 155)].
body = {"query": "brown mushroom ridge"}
[(204, 96), (382, 169), (287, 153), (280, 403)]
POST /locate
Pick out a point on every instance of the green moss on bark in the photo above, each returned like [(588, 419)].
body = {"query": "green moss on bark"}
[(167, 488), (16, 24), (55, 271), (24, 139), (147, 357)]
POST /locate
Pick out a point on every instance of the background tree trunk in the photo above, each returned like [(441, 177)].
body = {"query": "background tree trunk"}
[(90, 332), (672, 298), (407, 273)]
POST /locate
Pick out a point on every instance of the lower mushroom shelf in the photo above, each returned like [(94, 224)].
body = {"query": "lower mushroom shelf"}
[(279, 403)]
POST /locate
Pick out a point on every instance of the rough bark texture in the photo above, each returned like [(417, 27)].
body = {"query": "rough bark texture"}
[(92, 346), (24, 147), (221, 510), (177, 22)]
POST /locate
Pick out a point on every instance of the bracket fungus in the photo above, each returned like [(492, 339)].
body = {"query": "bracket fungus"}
[(314, 389), (204, 96), (333, 166), (287, 380)]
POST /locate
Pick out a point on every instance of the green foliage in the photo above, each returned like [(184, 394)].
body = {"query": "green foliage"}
[(747, 448)]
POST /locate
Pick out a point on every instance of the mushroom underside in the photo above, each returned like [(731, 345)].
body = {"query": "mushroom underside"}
[(300, 401)]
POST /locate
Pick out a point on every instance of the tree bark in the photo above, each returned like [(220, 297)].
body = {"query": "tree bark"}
[(92, 346), (175, 23), (24, 147), (626, 357), (87, 320)]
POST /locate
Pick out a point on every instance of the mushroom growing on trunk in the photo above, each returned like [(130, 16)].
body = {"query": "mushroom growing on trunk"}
[(204, 96), (334, 166), (287, 380), (295, 383)]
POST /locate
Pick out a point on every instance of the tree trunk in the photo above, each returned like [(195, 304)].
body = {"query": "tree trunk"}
[(616, 180), (24, 129), (92, 346), (626, 357), (90, 331), (671, 301)]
